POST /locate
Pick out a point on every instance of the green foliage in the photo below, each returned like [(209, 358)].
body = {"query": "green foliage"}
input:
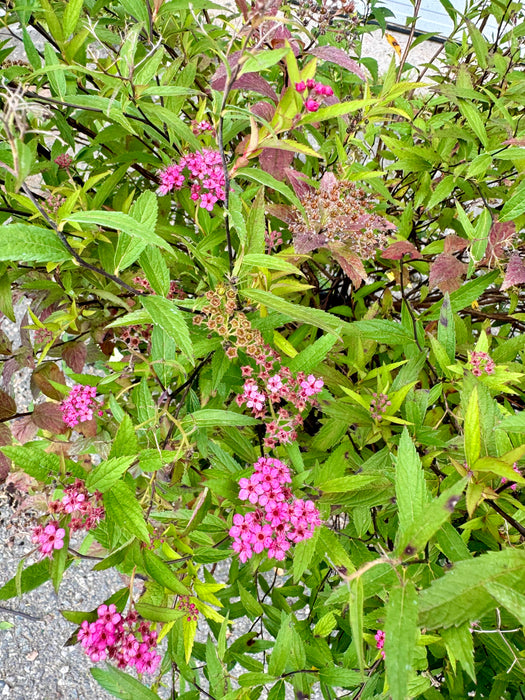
[(365, 253)]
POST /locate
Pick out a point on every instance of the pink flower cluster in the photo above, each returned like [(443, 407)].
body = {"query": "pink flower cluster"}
[(279, 520), (378, 405), (78, 406), (63, 160), (85, 509), (201, 127), (273, 386), (273, 239), (481, 362), (48, 538), (504, 479), (190, 609), (311, 104), (123, 639), (53, 203), (205, 174), (380, 641)]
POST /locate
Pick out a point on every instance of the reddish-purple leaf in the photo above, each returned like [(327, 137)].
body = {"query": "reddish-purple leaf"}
[(5, 462), (10, 367), (283, 212), (514, 142), (350, 263), (242, 7), (297, 181), (446, 272), (340, 58), (7, 406), (399, 249), (327, 182), (500, 238), (74, 355), (275, 161), (454, 244), (515, 273), (308, 241), (43, 376), (48, 416), (87, 428), (249, 81), (23, 429), (282, 37), (263, 109)]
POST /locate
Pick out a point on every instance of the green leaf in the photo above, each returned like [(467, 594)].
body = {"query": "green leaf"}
[(123, 508), (511, 599), (262, 60), (460, 595), (121, 222), (271, 262), (166, 314), (383, 331), (312, 356), (214, 417), (300, 314), (162, 574), (269, 181), (158, 613), (474, 120), (499, 467), (281, 648), (250, 603), (515, 206), (451, 544), (303, 554), (514, 423), (411, 489), (25, 243), (71, 16), (432, 518), (189, 629), (31, 577), (337, 110), (460, 647), (446, 328), (122, 685), (400, 638), (154, 267), (471, 427), (464, 296), (442, 191), (340, 677), (355, 607), (236, 216), (41, 465), (108, 473), (125, 442)]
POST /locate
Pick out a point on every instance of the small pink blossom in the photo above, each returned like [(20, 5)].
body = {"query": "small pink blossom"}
[(311, 105), (300, 86)]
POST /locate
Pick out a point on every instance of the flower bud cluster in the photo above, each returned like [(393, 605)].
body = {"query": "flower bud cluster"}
[(53, 203), (86, 509), (63, 160), (189, 608), (122, 639), (205, 175), (379, 405), (313, 88), (201, 127), (279, 519), (504, 479), (79, 405), (273, 239), (481, 362)]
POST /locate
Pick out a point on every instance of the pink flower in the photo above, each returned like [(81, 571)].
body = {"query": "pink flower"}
[(310, 83), (49, 538), (78, 406), (300, 86), (311, 105), (63, 160)]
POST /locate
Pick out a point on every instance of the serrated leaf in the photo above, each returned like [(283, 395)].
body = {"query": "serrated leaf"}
[(122, 685), (472, 429), (166, 314), (446, 328), (158, 613), (400, 638), (107, 473), (214, 417), (511, 599), (461, 647), (125, 442), (123, 508), (303, 554), (281, 648), (25, 243), (355, 606), (41, 465), (515, 206), (30, 578), (162, 574), (411, 490), (249, 602), (460, 595)]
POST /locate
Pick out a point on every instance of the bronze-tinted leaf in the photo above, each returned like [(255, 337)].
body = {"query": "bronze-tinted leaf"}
[(5, 462), (275, 161), (5, 344), (7, 405), (263, 109), (88, 428), (74, 355), (515, 273), (446, 272), (249, 81), (297, 181), (454, 244), (350, 263), (23, 429), (340, 58), (48, 416), (399, 249), (44, 375), (500, 238)]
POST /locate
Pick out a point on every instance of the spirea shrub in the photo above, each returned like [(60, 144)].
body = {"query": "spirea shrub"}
[(273, 319)]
